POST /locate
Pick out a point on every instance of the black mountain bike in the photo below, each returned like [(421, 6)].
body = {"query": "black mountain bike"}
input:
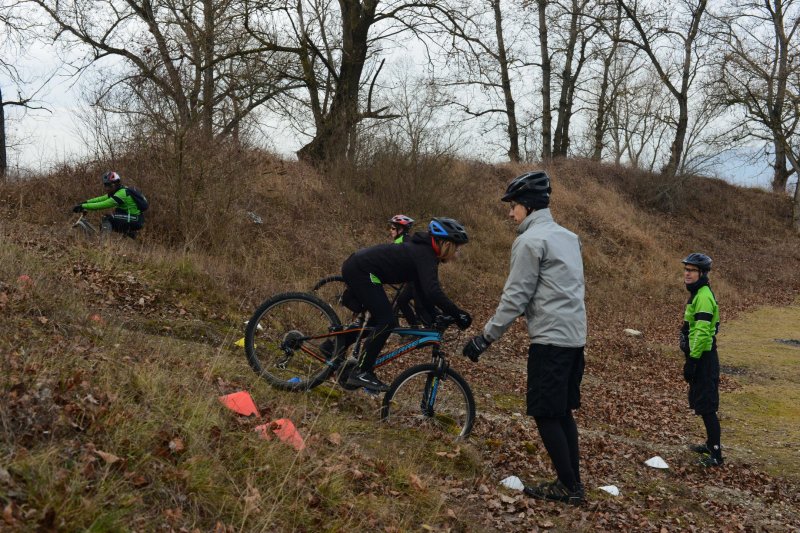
[(295, 341)]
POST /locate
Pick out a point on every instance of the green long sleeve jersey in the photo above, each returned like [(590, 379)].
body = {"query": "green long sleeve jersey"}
[(120, 200), (701, 318)]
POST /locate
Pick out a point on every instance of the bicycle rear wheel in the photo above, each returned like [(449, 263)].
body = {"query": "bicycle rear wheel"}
[(419, 397), (287, 341)]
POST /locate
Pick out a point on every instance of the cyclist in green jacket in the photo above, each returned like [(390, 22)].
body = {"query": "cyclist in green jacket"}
[(698, 341), (399, 228), (127, 218)]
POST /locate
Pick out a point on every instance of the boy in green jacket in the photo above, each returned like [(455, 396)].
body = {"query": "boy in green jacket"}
[(127, 218), (698, 341)]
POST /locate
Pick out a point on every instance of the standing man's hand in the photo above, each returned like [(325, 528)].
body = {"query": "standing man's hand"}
[(475, 347), (689, 369), (78, 208)]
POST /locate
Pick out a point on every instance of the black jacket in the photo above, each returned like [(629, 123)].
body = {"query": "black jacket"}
[(414, 261)]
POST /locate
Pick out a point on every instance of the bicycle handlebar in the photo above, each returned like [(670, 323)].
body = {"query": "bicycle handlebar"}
[(442, 322)]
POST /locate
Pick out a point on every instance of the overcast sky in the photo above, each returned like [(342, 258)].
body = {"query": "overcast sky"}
[(49, 138)]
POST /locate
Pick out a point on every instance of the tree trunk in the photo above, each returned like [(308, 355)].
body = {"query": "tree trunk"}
[(3, 155), (511, 114), (600, 124), (676, 150), (209, 33), (547, 119), (335, 130), (781, 174), (561, 140)]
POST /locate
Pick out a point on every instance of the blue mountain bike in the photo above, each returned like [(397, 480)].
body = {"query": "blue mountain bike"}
[(295, 341)]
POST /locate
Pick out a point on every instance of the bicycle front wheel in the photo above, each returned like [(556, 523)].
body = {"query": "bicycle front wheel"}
[(421, 397), (287, 341)]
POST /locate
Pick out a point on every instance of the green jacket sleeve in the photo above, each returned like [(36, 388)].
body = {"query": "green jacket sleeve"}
[(101, 202), (701, 334)]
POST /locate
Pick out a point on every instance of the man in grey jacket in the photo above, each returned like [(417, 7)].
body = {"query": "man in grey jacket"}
[(545, 284)]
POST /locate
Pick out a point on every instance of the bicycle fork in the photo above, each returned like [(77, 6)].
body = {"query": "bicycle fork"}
[(432, 386)]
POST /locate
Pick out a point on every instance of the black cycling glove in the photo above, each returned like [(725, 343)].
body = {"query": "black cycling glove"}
[(475, 347), (78, 208), (463, 320)]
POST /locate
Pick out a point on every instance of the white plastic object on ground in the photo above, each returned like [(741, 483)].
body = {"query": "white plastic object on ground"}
[(656, 462), (632, 332), (611, 489), (512, 482)]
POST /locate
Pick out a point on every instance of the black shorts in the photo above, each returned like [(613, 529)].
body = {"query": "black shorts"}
[(704, 389), (554, 379)]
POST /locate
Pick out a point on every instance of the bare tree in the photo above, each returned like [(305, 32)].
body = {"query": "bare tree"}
[(184, 61), (675, 27), (478, 55), (759, 56), (610, 25), (546, 67), (579, 32)]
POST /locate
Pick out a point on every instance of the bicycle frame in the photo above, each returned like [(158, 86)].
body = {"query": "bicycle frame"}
[(425, 337)]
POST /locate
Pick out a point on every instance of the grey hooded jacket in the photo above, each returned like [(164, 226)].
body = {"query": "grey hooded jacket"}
[(545, 283)]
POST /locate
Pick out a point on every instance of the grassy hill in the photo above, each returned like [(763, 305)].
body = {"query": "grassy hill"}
[(112, 356)]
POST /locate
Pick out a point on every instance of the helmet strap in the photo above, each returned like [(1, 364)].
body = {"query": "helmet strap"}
[(436, 249)]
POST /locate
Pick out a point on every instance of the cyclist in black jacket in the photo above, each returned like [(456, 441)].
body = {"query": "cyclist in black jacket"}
[(415, 261)]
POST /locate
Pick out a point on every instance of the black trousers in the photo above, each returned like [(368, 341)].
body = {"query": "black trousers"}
[(125, 224), (381, 317), (704, 388)]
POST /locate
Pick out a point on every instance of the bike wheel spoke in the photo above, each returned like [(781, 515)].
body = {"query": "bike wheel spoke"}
[(282, 341), (423, 400)]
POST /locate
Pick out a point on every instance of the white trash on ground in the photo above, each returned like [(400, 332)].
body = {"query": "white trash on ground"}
[(611, 489), (656, 462), (632, 332), (512, 482)]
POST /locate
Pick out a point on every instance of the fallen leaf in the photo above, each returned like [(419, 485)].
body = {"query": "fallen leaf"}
[(176, 445), (8, 514), (335, 439), (109, 458), (416, 482), (43, 320)]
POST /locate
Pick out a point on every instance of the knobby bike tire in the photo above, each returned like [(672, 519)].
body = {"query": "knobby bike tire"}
[(325, 281), (406, 401), (275, 346)]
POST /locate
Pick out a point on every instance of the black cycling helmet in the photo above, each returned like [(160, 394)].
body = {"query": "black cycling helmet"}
[(528, 186), (111, 177), (701, 261), (448, 229)]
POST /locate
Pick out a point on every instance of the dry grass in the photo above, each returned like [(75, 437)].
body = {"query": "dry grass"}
[(149, 373)]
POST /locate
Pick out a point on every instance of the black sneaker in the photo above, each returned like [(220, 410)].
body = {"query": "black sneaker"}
[(700, 448), (710, 461), (557, 492), (367, 379)]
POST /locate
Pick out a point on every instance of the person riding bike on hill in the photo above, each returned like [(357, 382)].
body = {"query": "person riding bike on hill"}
[(127, 218), (416, 262), (399, 231), (400, 227)]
